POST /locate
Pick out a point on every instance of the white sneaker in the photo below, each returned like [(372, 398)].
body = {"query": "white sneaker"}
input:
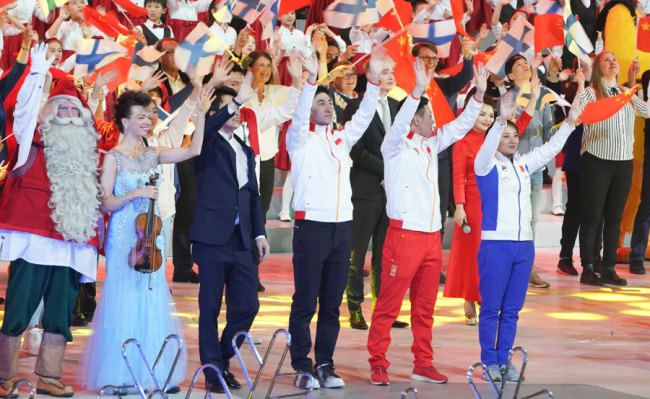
[(511, 374), (328, 378), (494, 371), (33, 339)]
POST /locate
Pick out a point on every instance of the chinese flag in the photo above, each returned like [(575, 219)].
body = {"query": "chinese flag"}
[(643, 35), (292, 5), (602, 109), (458, 11), (478, 58), (398, 49), (442, 113), (391, 20), (106, 23), (131, 9), (549, 31)]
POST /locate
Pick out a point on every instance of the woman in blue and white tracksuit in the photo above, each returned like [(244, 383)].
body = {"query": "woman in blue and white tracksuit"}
[(507, 251)]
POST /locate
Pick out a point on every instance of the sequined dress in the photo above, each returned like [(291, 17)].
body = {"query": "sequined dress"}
[(127, 308)]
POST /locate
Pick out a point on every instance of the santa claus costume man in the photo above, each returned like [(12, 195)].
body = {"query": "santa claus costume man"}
[(49, 214)]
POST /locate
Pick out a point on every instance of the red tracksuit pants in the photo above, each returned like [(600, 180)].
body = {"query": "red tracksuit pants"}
[(410, 258)]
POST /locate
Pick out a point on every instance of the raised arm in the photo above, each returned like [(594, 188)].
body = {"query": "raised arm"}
[(28, 101), (540, 156), (54, 30), (298, 132), (394, 138), (356, 127), (485, 156), (9, 81), (281, 113), (453, 84), (174, 155), (458, 128)]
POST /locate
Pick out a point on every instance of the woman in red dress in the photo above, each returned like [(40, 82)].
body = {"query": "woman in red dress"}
[(462, 271)]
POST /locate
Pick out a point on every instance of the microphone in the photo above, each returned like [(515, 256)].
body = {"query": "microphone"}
[(466, 228)]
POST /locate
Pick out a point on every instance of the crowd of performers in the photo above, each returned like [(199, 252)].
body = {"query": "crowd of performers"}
[(362, 159)]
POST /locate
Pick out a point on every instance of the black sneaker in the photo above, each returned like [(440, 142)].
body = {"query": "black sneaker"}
[(327, 377), (565, 266), (303, 381), (609, 276), (636, 267)]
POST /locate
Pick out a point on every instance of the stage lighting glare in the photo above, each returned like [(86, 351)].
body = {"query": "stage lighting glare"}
[(636, 312), (578, 316), (608, 297), (443, 302), (190, 316), (274, 308), (81, 332), (642, 305)]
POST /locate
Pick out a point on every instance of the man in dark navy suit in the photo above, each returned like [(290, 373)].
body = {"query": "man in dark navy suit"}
[(227, 220)]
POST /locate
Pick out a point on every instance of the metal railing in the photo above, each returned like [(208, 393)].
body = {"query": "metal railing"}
[(32, 390), (500, 390), (263, 361)]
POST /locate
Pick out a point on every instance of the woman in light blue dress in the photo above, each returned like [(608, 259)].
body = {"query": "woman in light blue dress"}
[(134, 304)]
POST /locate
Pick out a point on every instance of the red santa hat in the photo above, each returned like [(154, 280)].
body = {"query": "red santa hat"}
[(65, 88)]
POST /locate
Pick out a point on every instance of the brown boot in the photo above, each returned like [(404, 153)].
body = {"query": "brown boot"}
[(7, 385), (53, 387), (48, 366)]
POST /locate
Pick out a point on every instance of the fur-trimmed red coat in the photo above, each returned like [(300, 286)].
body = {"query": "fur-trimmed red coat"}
[(24, 202)]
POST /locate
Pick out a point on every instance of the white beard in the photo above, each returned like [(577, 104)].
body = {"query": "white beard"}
[(72, 164)]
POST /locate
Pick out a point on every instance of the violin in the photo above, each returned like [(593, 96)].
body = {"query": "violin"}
[(146, 257)]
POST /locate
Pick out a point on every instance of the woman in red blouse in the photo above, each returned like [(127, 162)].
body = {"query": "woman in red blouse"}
[(462, 271)]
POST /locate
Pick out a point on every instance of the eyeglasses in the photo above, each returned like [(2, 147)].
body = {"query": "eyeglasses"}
[(350, 76), (425, 58)]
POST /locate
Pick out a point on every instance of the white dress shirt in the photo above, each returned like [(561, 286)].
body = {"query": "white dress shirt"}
[(70, 32), (187, 10), (228, 36)]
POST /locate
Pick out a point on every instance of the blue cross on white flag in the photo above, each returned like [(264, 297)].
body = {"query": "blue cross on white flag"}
[(348, 13), (520, 37), (93, 54), (198, 50), (437, 33)]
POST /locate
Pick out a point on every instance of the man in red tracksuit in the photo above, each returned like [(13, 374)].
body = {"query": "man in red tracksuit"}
[(412, 254)]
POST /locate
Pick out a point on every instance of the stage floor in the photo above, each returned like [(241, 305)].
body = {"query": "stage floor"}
[(582, 341)]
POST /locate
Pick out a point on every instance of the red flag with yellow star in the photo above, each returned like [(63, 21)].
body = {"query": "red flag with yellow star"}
[(602, 109), (549, 31), (442, 112), (399, 50), (643, 35)]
